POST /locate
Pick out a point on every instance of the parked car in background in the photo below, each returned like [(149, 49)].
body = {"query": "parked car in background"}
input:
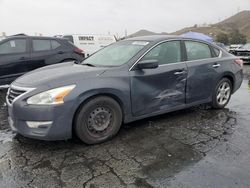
[(21, 54), (234, 46), (243, 52), (90, 43), (126, 81)]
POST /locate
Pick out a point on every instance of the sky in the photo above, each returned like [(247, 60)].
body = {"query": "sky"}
[(52, 17)]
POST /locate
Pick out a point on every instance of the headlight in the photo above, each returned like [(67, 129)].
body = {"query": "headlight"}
[(53, 96)]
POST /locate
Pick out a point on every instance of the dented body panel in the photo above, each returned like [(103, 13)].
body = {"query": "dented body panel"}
[(157, 89)]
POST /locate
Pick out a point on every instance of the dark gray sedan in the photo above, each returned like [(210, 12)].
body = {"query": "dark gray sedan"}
[(127, 81)]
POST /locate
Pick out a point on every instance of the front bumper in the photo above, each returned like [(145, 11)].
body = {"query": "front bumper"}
[(245, 58), (56, 121)]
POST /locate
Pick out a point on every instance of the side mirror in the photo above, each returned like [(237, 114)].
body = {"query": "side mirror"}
[(148, 64)]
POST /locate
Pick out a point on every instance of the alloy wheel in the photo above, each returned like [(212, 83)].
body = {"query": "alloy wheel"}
[(223, 93)]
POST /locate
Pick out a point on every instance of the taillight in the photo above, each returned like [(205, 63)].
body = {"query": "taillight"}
[(78, 51), (239, 62)]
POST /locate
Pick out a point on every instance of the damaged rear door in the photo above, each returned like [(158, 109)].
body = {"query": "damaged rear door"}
[(161, 88)]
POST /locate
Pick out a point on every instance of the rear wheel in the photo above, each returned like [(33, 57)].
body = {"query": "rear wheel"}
[(98, 120), (222, 93)]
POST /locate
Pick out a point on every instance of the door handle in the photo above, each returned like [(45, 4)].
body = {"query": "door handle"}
[(60, 52), (216, 65), (179, 72)]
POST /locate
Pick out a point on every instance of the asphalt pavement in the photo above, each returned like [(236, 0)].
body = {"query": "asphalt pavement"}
[(197, 147)]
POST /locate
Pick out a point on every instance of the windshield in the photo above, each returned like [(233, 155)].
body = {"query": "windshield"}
[(116, 54), (246, 46)]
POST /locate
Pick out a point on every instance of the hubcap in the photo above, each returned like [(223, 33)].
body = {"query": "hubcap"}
[(223, 93), (99, 120)]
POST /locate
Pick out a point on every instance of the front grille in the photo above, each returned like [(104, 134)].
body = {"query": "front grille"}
[(13, 93), (243, 54)]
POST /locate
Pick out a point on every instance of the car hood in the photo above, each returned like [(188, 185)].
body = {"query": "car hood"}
[(65, 73)]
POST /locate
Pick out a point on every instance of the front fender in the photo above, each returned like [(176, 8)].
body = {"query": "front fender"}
[(121, 97)]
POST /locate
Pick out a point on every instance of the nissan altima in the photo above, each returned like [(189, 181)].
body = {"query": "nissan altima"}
[(126, 81)]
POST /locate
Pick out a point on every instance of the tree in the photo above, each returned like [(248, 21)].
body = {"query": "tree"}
[(236, 37), (223, 38)]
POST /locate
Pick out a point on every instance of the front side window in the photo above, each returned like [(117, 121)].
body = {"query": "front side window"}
[(13, 46), (165, 53), (116, 54), (197, 50), (41, 45)]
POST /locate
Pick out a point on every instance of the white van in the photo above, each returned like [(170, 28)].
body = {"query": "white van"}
[(90, 43)]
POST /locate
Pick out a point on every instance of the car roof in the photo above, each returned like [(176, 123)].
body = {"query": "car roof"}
[(33, 37), (155, 37)]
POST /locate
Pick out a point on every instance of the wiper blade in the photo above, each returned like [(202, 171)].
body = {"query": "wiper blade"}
[(88, 64)]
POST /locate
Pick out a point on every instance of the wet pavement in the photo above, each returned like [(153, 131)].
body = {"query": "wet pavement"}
[(196, 147)]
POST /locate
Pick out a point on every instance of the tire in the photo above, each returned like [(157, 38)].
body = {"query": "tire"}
[(222, 93), (98, 120)]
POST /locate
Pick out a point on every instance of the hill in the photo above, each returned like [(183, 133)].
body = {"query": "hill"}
[(239, 21), (144, 32)]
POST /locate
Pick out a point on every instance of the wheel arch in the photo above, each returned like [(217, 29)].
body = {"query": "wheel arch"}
[(85, 97), (229, 76)]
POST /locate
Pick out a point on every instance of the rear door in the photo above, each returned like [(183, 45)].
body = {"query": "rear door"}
[(13, 58), (163, 88), (203, 69), (45, 52)]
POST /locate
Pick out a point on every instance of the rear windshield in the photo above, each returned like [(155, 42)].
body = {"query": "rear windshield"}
[(116, 54), (69, 37)]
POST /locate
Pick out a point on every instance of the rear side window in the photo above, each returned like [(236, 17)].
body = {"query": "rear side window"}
[(44, 45), (197, 50), (13, 46), (69, 37), (165, 53), (55, 44), (41, 45), (217, 52)]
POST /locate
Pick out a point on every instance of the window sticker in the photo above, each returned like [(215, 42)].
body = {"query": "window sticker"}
[(12, 44), (141, 43)]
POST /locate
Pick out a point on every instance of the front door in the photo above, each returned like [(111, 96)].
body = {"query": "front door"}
[(13, 59), (163, 88)]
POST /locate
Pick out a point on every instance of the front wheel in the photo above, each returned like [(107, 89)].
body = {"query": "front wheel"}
[(222, 93), (98, 120)]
